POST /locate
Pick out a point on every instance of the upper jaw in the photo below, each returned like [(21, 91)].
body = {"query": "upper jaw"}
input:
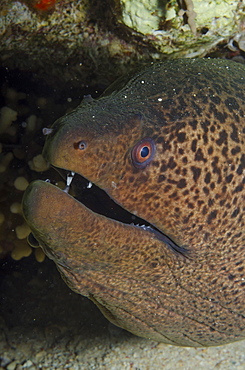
[(99, 202)]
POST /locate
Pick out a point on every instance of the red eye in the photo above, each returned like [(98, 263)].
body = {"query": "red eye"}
[(143, 152)]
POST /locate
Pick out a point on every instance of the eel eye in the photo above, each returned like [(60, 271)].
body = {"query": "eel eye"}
[(81, 145), (143, 152)]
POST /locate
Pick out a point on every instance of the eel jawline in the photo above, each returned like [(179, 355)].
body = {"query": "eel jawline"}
[(102, 204)]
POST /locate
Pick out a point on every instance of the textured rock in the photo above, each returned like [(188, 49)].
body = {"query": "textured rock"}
[(95, 41)]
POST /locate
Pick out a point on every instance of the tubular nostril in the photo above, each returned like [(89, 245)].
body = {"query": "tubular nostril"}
[(47, 131)]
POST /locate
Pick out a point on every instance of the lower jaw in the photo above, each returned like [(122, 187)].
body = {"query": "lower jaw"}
[(97, 200)]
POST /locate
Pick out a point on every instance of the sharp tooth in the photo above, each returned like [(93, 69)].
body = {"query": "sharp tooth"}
[(89, 185), (69, 180)]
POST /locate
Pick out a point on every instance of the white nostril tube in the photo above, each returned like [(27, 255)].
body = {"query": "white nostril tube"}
[(47, 131)]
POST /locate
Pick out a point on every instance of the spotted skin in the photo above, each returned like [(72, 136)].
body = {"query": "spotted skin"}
[(192, 191)]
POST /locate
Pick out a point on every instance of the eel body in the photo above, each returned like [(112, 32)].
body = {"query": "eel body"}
[(153, 228)]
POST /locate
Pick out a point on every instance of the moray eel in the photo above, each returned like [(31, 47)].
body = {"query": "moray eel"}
[(153, 232)]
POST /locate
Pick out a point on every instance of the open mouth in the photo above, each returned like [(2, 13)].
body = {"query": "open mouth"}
[(98, 201)]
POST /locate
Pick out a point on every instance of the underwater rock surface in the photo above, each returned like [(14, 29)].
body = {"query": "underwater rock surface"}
[(99, 40)]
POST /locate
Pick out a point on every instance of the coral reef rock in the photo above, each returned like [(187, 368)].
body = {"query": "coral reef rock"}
[(95, 41)]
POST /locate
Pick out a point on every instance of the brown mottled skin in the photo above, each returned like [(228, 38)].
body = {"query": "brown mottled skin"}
[(192, 191)]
